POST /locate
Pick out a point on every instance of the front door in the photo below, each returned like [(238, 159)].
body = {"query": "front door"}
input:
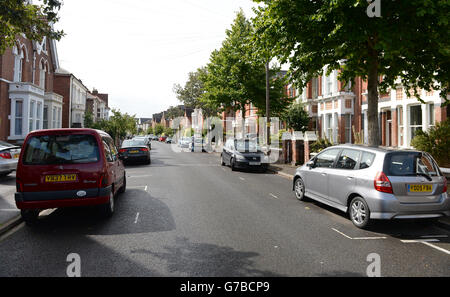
[(318, 176)]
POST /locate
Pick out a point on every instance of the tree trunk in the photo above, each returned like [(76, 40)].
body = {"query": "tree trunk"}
[(268, 103), (372, 99)]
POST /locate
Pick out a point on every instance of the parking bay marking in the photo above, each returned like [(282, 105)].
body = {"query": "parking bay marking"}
[(137, 217), (427, 242), (358, 238), (273, 196)]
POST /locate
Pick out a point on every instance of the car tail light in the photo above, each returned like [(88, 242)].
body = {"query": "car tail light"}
[(19, 185), (122, 150), (5, 155), (445, 185), (382, 183), (144, 149), (103, 181)]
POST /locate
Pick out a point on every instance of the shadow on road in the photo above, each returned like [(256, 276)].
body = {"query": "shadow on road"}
[(154, 216), (186, 258)]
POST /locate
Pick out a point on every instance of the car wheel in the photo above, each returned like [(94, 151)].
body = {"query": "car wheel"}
[(233, 166), (359, 212), (124, 186), (5, 174), (30, 216), (108, 208), (221, 160), (299, 189), (148, 162)]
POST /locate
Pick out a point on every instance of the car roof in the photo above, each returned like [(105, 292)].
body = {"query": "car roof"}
[(68, 131), (380, 149)]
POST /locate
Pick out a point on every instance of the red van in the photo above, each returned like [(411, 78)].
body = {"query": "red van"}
[(67, 168)]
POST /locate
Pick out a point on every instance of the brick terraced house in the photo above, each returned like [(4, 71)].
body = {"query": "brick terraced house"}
[(28, 100)]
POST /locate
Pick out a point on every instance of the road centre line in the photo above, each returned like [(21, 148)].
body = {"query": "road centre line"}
[(138, 176)]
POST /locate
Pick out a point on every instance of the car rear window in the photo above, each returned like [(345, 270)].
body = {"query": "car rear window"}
[(410, 164), (61, 149), (130, 143)]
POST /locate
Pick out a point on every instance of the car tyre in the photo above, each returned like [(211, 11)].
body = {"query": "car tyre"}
[(30, 216), (123, 188), (5, 174), (359, 212), (107, 209), (233, 166), (299, 189), (221, 160)]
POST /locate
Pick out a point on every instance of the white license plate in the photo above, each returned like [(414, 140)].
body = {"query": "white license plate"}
[(254, 163)]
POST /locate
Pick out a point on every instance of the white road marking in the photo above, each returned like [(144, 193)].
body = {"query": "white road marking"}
[(145, 188), (273, 196), (359, 238), (437, 248), (420, 240), (241, 178), (137, 217), (138, 176), (434, 236), (427, 242), (136, 187)]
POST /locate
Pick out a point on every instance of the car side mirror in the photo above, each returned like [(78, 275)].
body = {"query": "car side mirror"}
[(310, 164)]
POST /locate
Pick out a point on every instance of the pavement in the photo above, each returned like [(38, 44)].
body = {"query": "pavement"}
[(185, 215), (9, 214)]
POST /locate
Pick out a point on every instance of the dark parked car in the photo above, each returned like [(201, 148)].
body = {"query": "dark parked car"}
[(66, 168), (375, 183), (9, 155), (135, 151), (243, 154)]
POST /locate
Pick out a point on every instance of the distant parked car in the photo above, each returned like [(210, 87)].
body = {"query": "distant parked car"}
[(162, 138), (135, 150), (66, 168), (145, 139), (184, 142), (168, 140), (9, 155), (243, 154), (155, 138), (375, 183)]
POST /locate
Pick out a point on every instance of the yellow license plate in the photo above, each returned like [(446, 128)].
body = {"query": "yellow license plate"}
[(420, 188), (134, 152), (60, 178)]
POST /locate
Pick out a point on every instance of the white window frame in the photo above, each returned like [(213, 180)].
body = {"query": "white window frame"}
[(18, 64), (18, 117)]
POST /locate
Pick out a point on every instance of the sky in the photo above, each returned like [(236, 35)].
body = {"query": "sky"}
[(136, 50)]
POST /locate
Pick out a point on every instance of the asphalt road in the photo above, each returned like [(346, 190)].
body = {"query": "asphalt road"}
[(185, 215)]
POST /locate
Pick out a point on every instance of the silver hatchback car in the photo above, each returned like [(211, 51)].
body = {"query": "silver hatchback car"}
[(375, 183)]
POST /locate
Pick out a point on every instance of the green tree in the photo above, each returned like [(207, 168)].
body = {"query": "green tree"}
[(174, 112), (159, 129), (436, 141), (118, 126), (18, 16), (168, 132), (149, 130), (234, 78), (192, 91), (405, 43), (88, 119), (296, 117)]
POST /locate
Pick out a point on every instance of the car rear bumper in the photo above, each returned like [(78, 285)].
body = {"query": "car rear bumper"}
[(58, 199), (386, 206)]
